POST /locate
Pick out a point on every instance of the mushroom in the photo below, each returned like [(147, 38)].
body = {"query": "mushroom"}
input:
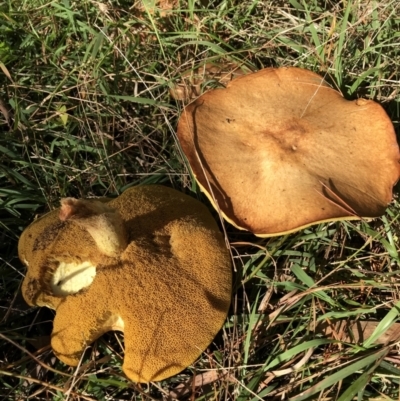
[(151, 263), (279, 150)]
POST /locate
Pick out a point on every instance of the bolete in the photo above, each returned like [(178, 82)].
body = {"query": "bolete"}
[(151, 263), (278, 150)]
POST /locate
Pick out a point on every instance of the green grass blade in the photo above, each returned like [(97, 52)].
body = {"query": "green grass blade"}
[(341, 375), (383, 325)]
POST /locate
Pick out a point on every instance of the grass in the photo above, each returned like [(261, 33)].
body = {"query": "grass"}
[(86, 111)]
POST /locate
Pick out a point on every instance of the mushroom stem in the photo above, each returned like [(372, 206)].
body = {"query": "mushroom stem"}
[(102, 222)]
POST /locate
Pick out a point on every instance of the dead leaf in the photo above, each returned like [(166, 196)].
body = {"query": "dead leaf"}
[(6, 72), (183, 389), (4, 111), (357, 331), (161, 6)]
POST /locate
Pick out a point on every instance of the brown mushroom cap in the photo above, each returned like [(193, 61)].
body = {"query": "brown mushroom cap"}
[(168, 290), (279, 150)]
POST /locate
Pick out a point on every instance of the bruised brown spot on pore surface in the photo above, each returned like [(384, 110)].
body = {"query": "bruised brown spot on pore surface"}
[(47, 237), (31, 290)]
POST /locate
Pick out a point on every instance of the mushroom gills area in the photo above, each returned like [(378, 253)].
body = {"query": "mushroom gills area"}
[(69, 278)]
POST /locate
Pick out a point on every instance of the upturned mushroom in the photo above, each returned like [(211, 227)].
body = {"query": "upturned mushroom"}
[(151, 263), (279, 150)]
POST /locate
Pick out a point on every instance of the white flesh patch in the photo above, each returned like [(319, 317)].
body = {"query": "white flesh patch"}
[(114, 323), (69, 278)]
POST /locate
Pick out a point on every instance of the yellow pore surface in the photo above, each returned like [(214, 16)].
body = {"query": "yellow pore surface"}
[(169, 290)]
